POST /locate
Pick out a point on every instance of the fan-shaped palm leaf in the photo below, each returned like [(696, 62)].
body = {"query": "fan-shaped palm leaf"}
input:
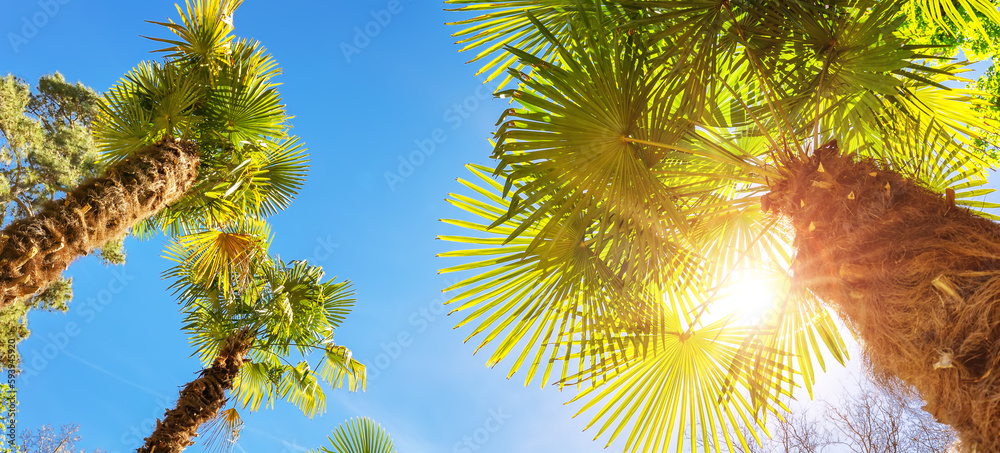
[(151, 101), (223, 431), (204, 32), (360, 435), (509, 24), (226, 255)]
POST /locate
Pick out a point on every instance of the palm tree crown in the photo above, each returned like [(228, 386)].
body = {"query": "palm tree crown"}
[(219, 92), (195, 140), (246, 313)]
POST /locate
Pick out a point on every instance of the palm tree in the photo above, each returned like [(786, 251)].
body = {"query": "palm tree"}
[(661, 155), (193, 140), (246, 313), (360, 435)]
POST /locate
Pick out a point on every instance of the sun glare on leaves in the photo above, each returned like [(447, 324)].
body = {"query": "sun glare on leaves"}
[(747, 298)]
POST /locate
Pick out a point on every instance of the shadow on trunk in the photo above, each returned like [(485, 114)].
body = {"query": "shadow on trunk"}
[(36, 250), (917, 277), (200, 400)]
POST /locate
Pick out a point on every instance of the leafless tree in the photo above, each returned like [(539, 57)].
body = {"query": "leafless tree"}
[(802, 433), (886, 417), (876, 417), (47, 440), (797, 433)]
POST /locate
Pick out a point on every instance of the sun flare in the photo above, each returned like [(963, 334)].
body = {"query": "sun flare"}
[(747, 297)]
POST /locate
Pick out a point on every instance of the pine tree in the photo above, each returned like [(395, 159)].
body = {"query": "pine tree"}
[(46, 149)]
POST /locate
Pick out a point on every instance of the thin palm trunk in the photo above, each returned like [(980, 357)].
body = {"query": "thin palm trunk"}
[(36, 250), (917, 277), (200, 400)]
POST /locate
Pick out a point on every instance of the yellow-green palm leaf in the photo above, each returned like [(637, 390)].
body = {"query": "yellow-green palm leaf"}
[(360, 435)]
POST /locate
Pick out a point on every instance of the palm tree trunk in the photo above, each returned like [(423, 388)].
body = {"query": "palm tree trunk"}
[(917, 277), (37, 249), (200, 400)]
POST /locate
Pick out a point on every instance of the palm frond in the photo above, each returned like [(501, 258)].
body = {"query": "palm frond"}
[(300, 387), (338, 365), (204, 32), (959, 14), (245, 111), (509, 24), (360, 435), (257, 385), (683, 389), (224, 257), (223, 431), (149, 102), (522, 295)]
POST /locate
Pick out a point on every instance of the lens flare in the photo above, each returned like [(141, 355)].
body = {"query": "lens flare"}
[(747, 298)]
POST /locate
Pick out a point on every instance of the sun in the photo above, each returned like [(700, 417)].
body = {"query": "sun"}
[(748, 296)]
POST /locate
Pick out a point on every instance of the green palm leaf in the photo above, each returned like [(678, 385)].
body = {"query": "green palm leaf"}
[(227, 255), (681, 390), (204, 32), (509, 24), (521, 295), (151, 101), (360, 435), (300, 387), (963, 13), (246, 111), (339, 365)]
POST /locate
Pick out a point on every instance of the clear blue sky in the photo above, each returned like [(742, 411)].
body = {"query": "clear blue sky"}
[(126, 357)]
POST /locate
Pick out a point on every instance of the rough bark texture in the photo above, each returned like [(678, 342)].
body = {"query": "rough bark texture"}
[(36, 250), (200, 400), (916, 277)]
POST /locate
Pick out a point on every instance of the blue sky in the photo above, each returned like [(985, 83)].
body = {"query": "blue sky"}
[(116, 360)]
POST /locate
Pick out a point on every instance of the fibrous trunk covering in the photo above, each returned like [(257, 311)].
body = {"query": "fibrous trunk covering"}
[(37, 249), (200, 400), (916, 277)]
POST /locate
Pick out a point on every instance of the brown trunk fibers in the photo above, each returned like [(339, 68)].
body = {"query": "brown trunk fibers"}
[(200, 400), (916, 277), (37, 249)]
